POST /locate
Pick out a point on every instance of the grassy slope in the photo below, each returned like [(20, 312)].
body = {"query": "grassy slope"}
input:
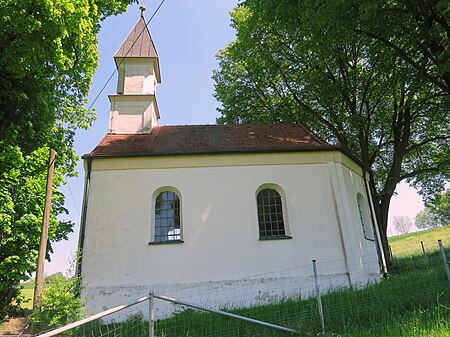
[(409, 244)]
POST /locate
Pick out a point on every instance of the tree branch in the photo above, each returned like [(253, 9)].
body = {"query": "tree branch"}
[(420, 171), (427, 141), (408, 59)]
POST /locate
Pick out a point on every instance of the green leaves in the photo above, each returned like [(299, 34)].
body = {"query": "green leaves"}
[(49, 55), (60, 303), (362, 74), (22, 195), (436, 212)]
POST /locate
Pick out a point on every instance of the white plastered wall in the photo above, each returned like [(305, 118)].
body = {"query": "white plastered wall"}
[(132, 114), (219, 224), (361, 254), (136, 76)]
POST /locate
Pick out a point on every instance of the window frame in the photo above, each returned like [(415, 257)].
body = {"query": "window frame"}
[(155, 196), (365, 219), (285, 222)]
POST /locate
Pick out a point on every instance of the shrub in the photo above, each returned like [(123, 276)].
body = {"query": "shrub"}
[(60, 303)]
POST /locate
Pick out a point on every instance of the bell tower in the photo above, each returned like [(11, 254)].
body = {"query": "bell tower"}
[(133, 108)]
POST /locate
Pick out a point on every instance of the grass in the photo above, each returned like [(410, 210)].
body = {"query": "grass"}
[(413, 301), (27, 293), (409, 244), (398, 307)]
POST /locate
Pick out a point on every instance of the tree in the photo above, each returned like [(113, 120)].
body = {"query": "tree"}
[(440, 206), (49, 55), (291, 62), (48, 58), (417, 31), (425, 219), (22, 195), (402, 224), (51, 279), (436, 212)]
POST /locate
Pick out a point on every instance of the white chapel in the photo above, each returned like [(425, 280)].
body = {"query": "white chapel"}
[(201, 207)]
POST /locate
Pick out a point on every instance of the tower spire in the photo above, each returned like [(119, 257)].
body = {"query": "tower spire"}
[(134, 109), (142, 8)]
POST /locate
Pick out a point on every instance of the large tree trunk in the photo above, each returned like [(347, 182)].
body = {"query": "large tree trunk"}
[(381, 214), (382, 203), (382, 211), (401, 127), (381, 206)]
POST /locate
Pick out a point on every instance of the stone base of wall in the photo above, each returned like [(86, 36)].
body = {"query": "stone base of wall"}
[(226, 294)]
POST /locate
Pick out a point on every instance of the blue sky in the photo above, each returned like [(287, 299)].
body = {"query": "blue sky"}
[(187, 35)]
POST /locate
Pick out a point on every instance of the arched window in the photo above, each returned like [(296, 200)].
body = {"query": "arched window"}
[(167, 218), (364, 215), (270, 215)]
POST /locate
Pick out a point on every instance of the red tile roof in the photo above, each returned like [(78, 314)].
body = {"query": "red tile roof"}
[(138, 43), (212, 139)]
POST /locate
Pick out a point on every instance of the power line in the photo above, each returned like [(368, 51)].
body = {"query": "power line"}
[(109, 79), (122, 60), (73, 199)]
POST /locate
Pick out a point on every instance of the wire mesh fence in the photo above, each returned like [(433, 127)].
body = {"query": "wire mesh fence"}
[(286, 298), (125, 320)]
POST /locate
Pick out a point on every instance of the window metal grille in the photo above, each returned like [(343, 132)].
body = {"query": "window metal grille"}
[(270, 215), (362, 219), (368, 233), (167, 217)]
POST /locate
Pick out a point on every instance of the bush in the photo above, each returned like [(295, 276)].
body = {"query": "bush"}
[(60, 303)]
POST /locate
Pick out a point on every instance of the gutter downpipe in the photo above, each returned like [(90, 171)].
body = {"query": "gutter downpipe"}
[(87, 183), (374, 220)]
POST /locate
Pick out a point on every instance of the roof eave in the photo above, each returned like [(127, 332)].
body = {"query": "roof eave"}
[(118, 61), (208, 153)]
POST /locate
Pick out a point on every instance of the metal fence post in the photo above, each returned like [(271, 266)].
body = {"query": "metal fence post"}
[(444, 258), (151, 314), (319, 300)]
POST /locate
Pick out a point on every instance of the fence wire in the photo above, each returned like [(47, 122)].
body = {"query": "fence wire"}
[(287, 298)]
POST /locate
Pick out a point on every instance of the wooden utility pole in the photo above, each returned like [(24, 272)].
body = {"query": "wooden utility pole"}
[(39, 283)]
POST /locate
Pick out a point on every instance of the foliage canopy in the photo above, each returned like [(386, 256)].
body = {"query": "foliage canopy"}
[(380, 94), (402, 224), (436, 212), (49, 54)]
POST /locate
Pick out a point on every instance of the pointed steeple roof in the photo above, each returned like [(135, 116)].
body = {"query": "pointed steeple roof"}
[(138, 43)]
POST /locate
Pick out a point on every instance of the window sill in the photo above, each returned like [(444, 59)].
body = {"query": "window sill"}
[(169, 242), (280, 237), (369, 239)]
